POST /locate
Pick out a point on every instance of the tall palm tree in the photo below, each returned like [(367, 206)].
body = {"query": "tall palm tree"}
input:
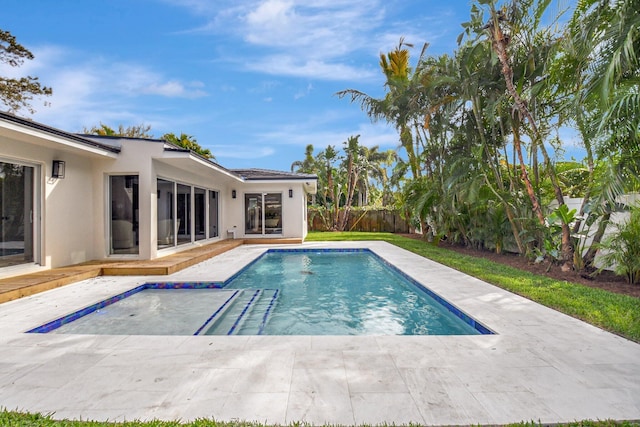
[(400, 105)]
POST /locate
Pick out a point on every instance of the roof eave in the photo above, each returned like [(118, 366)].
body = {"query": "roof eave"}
[(70, 140)]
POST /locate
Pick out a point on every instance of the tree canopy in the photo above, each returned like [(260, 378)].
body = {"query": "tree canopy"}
[(17, 93), (480, 132), (144, 132)]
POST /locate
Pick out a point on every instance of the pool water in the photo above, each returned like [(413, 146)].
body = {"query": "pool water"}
[(283, 292), (344, 293)]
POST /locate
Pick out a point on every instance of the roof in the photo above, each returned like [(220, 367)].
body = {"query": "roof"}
[(57, 132), (267, 174)]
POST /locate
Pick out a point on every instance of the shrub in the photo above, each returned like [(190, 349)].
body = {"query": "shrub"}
[(623, 248)]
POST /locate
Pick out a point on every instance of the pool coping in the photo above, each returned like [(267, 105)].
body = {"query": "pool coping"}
[(541, 365)]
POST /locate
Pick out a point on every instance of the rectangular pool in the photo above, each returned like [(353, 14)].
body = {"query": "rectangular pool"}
[(282, 292)]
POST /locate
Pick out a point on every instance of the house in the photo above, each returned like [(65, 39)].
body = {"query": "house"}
[(67, 198)]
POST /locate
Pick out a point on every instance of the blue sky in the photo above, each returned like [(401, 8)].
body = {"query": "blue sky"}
[(254, 81)]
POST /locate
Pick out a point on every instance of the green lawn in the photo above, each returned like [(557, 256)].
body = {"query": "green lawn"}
[(616, 313)]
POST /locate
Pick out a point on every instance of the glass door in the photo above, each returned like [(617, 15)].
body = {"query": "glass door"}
[(273, 213), (200, 212), (263, 213), (17, 214), (124, 214), (184, 214), (213, 213), (253, 213), (166, 218)]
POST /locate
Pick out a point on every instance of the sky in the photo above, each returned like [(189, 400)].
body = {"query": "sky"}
[(254, 81)]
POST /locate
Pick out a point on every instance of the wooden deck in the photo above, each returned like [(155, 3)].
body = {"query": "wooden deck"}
[(20, 286)]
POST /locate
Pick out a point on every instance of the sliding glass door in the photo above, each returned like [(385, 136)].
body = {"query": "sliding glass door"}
[(166, 217), (123, 190), (17, 235)]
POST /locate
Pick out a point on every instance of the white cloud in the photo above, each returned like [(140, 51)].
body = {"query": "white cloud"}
[(303, 93), (241, 151), (174, 89), (326, 129), (89, 89), (320, 39), (285, 65)]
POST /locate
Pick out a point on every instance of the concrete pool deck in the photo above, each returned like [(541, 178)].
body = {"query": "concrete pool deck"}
[(540, 366)]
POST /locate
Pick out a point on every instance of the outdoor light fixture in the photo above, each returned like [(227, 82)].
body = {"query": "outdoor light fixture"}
[(57, 170), (233, 194), (290, 193)]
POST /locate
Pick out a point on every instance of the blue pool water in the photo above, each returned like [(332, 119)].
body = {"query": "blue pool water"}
[(283, 292), (344, 293)]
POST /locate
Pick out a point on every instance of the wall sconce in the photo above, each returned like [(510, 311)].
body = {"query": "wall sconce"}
[(57, 170), (233, 194), (290, 193)]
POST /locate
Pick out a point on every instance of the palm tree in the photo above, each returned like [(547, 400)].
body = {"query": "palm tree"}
[(400, 105), (308, 165), (188, 142)]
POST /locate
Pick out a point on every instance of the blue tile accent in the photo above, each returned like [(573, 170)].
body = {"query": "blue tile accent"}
[(266, 313), (210, 319), (244, 311), (55, 324)]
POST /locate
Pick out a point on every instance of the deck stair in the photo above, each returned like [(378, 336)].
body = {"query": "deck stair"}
[(248, 313)]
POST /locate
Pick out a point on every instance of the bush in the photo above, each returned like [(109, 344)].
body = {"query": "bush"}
[(623, 249)]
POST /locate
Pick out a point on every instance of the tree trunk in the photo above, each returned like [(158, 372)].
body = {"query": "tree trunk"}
[(535, 204), (499, 44)]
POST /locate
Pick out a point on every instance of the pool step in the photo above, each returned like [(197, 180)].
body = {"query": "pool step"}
[(247, 314)]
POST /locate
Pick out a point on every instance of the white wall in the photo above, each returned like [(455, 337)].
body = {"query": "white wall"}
[(74, 211), (293, 209), (66, 205)]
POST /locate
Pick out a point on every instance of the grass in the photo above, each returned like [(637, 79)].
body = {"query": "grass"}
[(619, 314), (18, 419)]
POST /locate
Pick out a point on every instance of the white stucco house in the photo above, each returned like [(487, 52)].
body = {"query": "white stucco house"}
[(67, 198)]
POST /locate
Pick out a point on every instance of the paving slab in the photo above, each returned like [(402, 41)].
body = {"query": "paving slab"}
[(539, 365)]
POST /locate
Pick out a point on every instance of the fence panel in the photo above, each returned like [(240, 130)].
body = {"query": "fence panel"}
[(370, 220)]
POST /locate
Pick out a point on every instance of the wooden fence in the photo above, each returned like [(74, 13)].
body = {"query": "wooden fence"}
[(361, 220)]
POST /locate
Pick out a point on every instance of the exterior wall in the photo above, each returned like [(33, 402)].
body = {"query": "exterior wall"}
[(134, 159), (65, 205), (72, 223), (293, 209)]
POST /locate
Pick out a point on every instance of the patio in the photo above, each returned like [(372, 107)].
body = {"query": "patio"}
[(541, 365)]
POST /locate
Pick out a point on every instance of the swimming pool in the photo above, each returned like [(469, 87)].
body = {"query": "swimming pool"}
[(282, 292)]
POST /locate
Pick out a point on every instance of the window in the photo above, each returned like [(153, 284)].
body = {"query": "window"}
[(200, 209), (213, 214), (193, 206), (263, 213), (184, 214), (17, 231), (123, 192), (166, 225)]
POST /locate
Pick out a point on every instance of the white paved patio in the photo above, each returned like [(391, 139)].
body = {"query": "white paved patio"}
[(541, 366)]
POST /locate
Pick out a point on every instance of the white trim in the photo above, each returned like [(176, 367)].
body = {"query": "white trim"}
[(67, 143)]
